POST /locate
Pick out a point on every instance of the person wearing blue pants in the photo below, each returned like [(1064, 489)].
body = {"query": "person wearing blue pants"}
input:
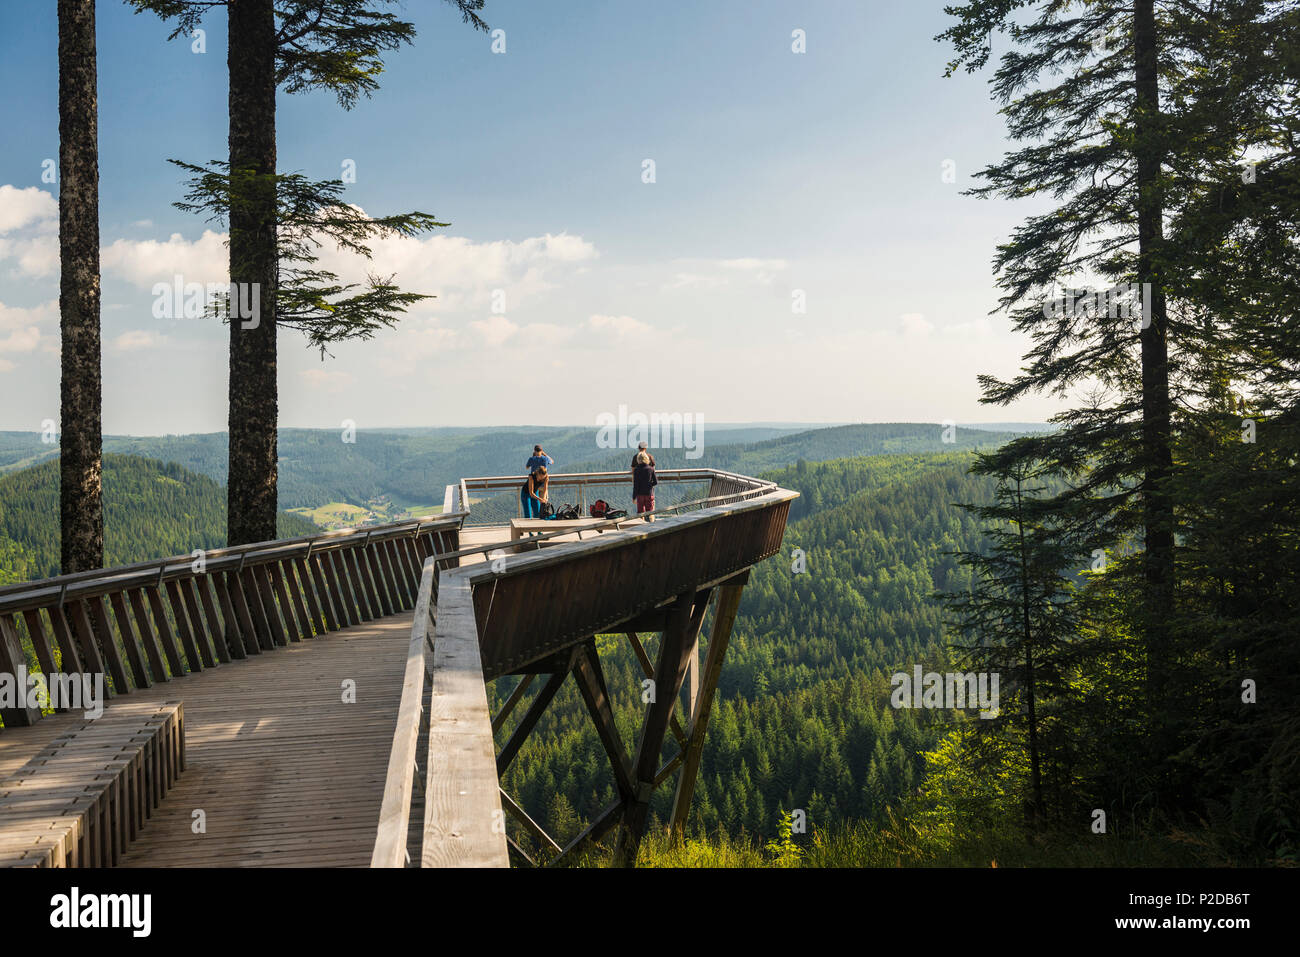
[(532, 495)]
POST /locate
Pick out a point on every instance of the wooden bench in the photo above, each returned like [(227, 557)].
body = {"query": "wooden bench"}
[(79, 802), (520, 527)]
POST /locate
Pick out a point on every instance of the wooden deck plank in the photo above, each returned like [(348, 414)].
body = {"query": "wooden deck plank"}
[(286, 772)]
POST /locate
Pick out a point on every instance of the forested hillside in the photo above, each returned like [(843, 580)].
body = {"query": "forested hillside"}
[(413, 466), (151, 510), (803, 716)]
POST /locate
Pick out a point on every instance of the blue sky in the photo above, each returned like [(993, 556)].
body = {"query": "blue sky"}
[(566, 286)]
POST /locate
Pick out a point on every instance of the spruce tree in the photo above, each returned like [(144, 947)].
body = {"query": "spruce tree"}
[(300, 46), (81, 464), (1020, 621)]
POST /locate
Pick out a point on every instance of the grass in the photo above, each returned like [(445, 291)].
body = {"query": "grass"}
[(901, 844)]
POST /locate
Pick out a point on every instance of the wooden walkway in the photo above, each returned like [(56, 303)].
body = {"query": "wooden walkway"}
[(285, 772)]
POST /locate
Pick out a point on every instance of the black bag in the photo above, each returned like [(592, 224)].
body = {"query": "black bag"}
[(616, 513), (548, 510), (567, 513)]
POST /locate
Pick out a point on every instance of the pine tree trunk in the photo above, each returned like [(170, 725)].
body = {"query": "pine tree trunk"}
[(1035, 772), (1158, 518), (81, 510), (251, 489)]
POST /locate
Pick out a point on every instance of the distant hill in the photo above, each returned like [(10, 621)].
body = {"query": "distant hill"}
[(412, 467), (754, 458), (151, 510), (814, 445)]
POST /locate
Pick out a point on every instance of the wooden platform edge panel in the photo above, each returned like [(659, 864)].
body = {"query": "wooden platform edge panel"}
[(464, 825)]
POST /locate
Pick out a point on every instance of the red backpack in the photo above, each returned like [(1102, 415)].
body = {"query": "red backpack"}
[(599, 508)]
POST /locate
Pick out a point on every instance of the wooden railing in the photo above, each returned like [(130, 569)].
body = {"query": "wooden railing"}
[(153, 621), (485, 624), (403, 767), (721, 486)]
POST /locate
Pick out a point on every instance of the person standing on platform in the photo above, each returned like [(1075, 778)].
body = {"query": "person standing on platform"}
[(644, 482), (539, 460), (642, 450), (532, 496)]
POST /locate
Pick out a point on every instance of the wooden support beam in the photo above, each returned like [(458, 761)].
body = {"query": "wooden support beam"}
[(248, 632), (129, 641), (674, 652), (591, 683), (361, 587), (13, 664), (392, 571), (86, 642), (177, 602), (189, 592), (309, 587), (148, 634), (511, 701), (375, 572), (217, 631), (297, 595), (69, 652), (723, 620), (594, 831), (529, 720), (523, 855), (342, 588), (529, 824), (164, 631), (276, 575), (261, 619), (648, 667), (329, 606), (40, 641), (261, 577), (103, 630), (234, 641)]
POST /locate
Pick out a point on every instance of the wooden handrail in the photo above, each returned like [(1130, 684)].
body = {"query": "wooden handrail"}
[(34, 594), (150, 622), (395, 810)]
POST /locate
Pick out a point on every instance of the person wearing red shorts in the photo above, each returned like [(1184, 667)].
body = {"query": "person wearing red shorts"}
[(643, 483)]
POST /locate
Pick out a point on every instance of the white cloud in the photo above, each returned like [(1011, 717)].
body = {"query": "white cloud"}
[(683, 279), (330, 381), (148, 261), (762, 270), (34, 214), (547, 333), (915, 324), (493, 331), (618, 325), (20, 208), (20, 329), (137, 339), (721, 272), (458, 272)]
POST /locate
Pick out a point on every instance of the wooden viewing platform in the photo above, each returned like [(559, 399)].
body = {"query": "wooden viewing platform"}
[(264, 645)]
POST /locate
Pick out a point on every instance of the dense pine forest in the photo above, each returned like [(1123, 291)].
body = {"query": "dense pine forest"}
[(803, 718), (152, 510)]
